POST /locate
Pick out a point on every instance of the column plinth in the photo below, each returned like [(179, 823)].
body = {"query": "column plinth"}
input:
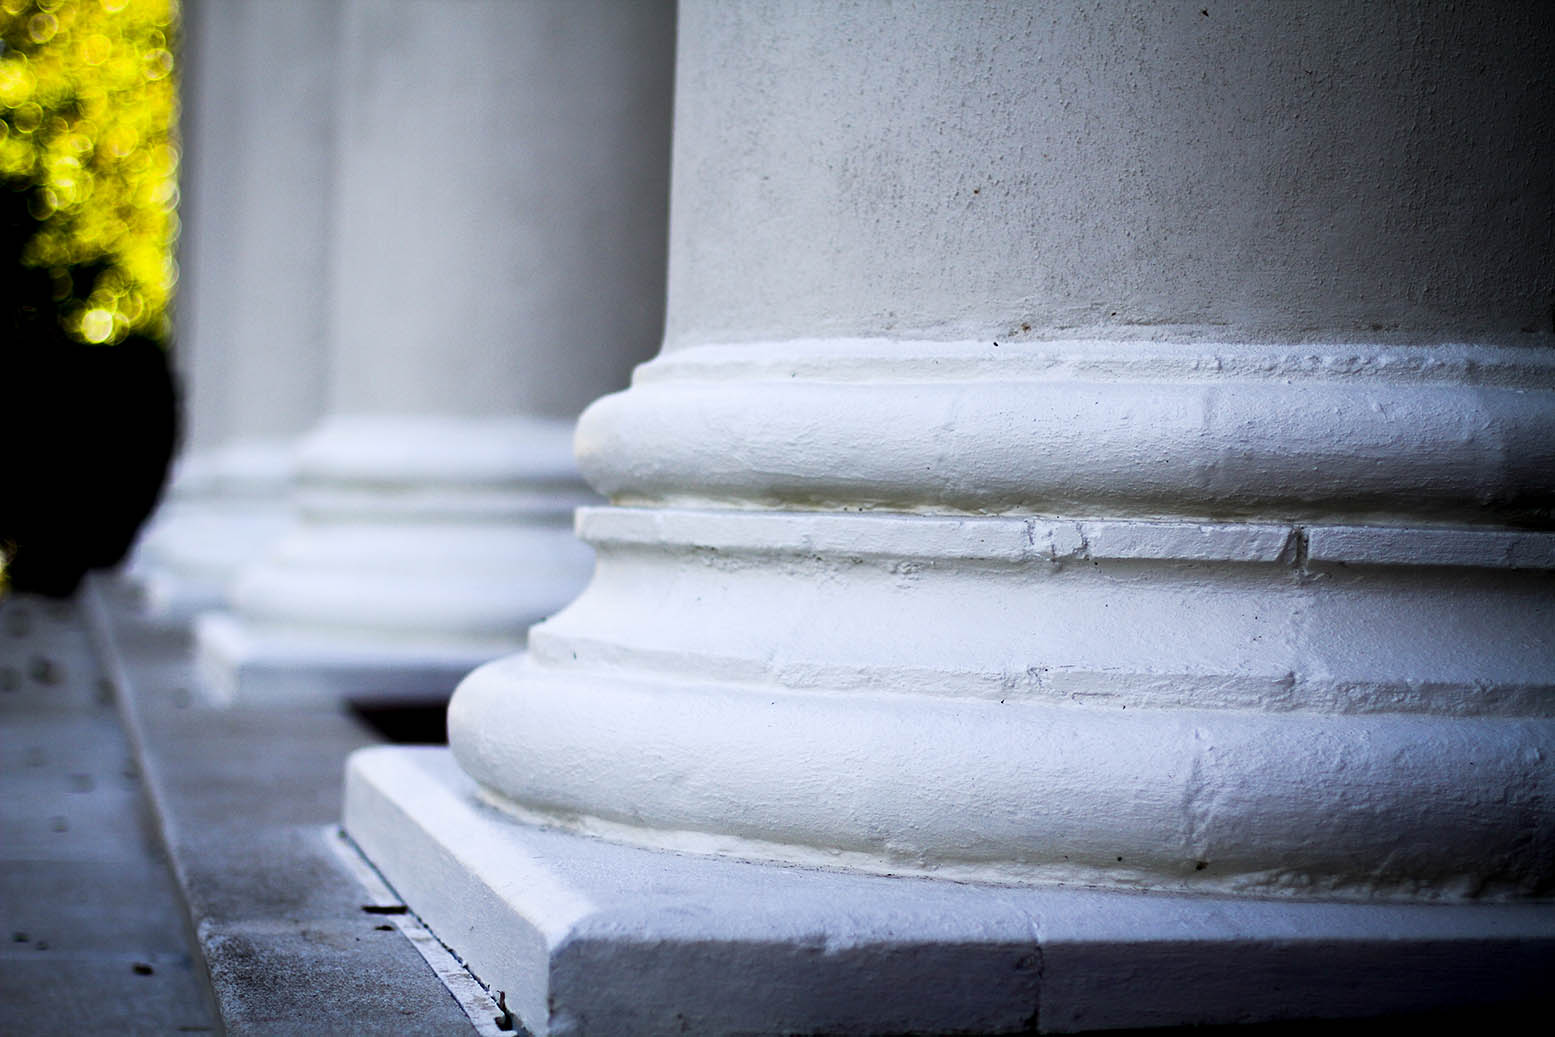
[(1096, 454)]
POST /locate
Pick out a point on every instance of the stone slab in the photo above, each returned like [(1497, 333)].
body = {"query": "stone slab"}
[(238, 667), (324, 976), (68, 995), (66, 793), (585, 936), (76, 907), (93, 936), (243, 798)]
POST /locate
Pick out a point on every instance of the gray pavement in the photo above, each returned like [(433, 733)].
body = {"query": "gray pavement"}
[(95, 933), (166, 867)]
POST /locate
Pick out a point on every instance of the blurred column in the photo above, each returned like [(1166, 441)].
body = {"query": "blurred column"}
[(1096, 445), (258, 127), (498, 261)]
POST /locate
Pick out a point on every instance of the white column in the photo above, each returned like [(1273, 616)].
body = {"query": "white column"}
[(1094, 448), (498, 261), (258, 97)]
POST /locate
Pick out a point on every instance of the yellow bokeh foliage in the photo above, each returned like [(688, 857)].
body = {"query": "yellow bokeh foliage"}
[(88, 107)]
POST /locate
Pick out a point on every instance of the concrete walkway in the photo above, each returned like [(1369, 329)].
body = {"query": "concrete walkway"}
[(260, 924), (95, 934)]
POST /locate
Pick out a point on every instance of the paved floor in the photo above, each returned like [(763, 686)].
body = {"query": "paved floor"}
[(94, 930), (257, 924), (248, 801)]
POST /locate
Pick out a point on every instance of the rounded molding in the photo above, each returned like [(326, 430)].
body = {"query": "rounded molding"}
[(394, 449), (1092, 444), (482, 583), (1153, 704), (1456, 433), (223, 508), (433, 528)]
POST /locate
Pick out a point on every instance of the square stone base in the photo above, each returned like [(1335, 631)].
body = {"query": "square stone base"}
[(241, 667), (585, 936)]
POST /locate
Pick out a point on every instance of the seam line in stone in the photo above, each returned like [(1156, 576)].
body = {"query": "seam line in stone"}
[(473, 996)]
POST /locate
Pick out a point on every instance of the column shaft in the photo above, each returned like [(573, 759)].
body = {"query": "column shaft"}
[(497, 261), (253, 288)]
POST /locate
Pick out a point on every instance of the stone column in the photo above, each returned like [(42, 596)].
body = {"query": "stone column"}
[(258, 132), (1100, 453), (498, 261)]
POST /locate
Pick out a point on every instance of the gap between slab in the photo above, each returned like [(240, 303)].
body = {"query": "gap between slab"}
[(489, 1018)]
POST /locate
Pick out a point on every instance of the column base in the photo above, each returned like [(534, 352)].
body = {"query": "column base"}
[(424, 546), (240, 665), (224, 508), (192, 556), (173, 600), (583, 935)]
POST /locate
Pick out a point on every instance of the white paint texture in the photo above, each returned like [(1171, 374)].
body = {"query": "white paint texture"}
[(1099, 443), (1447, 433), (252, 307), (503, 171), (497, 260), (1285, 172), (587, 937), (287, 192)]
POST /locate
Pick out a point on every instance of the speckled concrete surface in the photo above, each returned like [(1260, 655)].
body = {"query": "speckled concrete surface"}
[(246, 801), (164, 868), (94, 934)]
